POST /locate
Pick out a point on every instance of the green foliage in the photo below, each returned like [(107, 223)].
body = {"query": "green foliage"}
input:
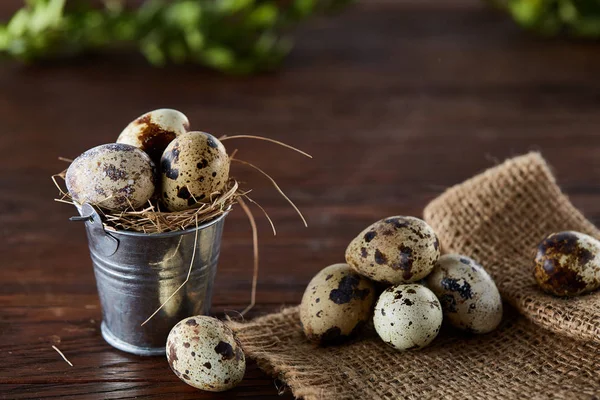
[(234, 36), (580, 18)]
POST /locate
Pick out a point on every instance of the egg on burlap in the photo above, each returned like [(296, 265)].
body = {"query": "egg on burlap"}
[(394, 250), (568, 264), (336, 304), (469, 297), (408, 316)]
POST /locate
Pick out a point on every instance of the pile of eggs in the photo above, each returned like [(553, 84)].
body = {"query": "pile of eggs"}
[(156, 157), (395, 277), (422, 289)]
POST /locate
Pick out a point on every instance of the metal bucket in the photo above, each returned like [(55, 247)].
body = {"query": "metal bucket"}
[(137, 272)]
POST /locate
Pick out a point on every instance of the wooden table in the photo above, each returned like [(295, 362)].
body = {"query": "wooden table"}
[(395, 100)]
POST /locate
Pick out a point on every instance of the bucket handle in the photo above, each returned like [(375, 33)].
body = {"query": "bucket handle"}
[(103, 242)]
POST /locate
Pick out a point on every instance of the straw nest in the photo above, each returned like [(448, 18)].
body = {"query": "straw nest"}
[(153, 219)]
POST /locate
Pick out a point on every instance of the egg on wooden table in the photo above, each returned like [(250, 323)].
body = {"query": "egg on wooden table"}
[(407, 316), (336, 303), (205, 353), (113, 176), (469, 297), (394, 250), (153, 131), (194, 168), (568, 264)]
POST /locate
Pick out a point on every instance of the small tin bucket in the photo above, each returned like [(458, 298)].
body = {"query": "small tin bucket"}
[(137, 272)]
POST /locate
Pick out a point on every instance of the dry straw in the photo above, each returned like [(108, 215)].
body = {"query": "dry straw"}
[(154, 220), (62, 355)]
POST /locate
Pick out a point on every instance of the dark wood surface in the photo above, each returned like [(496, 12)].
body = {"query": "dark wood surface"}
[(395, 100)]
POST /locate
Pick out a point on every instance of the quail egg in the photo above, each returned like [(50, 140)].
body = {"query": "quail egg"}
[(113, 176), (336, 303), (470, 300), (194, 167), (394, 250), (153, 131), (407, 316), (568, 264), (205, 353)]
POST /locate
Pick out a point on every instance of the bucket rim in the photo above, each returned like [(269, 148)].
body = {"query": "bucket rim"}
[(171, 233)]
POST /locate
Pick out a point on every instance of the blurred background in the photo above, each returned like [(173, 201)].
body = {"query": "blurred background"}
[(396, 101)]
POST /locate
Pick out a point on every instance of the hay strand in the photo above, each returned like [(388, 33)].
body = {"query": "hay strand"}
[(287, 146), (264, 212), (62, 355), (184, 282), (154, 220), (255, 254), (275, 185)]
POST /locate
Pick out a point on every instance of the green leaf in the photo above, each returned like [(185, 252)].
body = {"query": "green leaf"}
[(18, 23), (233, 6), (185, 14), (151, 49), (304, 7), (17, 47), (177, 52), (55, 9), (125, 30), (194, 40), (46, 16), (4, 38), (263, 15), (527, 12), (265, 43), (567, 11), (236, 36), (219, 57)]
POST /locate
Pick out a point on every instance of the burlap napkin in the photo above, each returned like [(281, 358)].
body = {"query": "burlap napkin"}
[(497, 218)]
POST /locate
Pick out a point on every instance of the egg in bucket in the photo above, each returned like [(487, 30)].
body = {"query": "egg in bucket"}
[(154, 225)]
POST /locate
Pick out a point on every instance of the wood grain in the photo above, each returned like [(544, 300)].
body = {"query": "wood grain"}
[(395, 100)]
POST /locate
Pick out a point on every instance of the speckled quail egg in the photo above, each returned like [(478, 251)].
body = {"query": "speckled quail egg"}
[(394, 250), (205, 353), (336, 303), (153, 131), (469, 297), (113, 176), (568, 264), (407, 316), (194, 167)]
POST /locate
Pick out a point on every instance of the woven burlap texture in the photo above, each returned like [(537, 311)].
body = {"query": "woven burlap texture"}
[(495, 217)]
